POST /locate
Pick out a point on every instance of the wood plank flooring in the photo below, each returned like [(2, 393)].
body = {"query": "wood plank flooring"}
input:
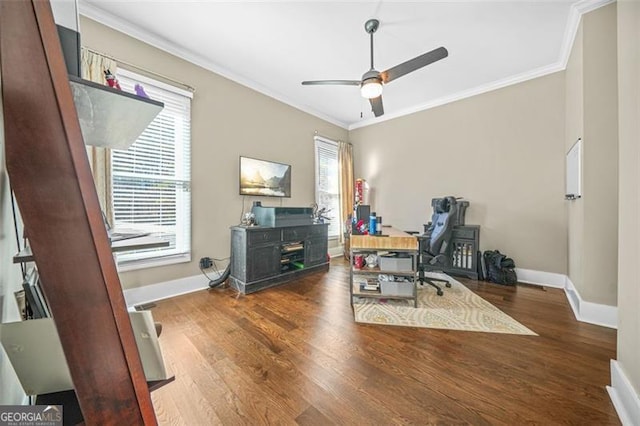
[(294, 355)]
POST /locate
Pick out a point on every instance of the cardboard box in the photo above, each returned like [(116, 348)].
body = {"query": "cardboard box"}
[(396, 288), (396, 263)]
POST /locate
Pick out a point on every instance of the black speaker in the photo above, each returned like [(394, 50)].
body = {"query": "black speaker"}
[(362, 212), (70, 42)]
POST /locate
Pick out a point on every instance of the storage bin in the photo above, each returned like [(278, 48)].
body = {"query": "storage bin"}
[(396, 288), (396, 263)]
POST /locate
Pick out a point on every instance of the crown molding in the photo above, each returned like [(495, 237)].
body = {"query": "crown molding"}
[(478, 90), (586, 6), (100, 15), (571, 29), (573, 21)]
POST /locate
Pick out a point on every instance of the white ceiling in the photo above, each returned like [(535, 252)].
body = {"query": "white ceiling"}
[(272, 46)]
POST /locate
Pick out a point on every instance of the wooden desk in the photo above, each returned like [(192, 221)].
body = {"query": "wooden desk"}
[(391, 240)]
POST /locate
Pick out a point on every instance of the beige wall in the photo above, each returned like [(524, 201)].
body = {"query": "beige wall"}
[(228, 120), (592, 111), (601, 157), (574, 129), (629, 227), (503, 151)]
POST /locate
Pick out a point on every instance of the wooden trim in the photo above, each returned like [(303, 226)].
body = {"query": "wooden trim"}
[(49, 172), (393, 239)]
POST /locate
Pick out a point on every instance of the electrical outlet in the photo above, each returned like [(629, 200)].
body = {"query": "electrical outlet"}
[(206, 263)]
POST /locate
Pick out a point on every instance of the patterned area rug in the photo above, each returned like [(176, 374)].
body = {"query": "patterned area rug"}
[(458, 309)]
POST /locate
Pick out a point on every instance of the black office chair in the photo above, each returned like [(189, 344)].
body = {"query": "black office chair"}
[(435, 242)]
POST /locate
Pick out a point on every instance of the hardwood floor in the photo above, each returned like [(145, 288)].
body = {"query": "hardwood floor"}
[(294, 355)]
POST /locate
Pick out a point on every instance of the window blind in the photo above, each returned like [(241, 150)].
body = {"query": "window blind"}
[(328, 181), (151, 180)]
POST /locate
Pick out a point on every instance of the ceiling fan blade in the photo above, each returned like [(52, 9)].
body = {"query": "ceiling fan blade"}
[(376, 106), (335, 82), (414, 64)]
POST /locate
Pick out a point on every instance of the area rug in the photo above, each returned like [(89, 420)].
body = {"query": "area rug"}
[(458, 309)]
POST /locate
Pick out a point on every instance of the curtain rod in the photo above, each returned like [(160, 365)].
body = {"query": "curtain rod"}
[(153, 73), (316, 133)]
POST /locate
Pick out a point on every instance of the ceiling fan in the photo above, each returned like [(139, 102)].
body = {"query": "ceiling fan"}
[(372, 80)]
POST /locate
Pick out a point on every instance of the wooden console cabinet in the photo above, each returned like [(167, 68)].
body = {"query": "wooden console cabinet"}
[(462, 253), (262, 257)]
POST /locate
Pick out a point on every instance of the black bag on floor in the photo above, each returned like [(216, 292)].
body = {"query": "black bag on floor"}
[(500, 268)]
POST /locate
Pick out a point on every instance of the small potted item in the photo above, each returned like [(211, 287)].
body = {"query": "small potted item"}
[(372, 260)]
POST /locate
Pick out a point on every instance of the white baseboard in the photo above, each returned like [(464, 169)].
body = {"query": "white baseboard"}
[(336, 251), (624, 397), (592, 313), (547, 279), (164, 290)]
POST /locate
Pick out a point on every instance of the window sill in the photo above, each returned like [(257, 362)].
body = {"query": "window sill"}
[(153, 262)]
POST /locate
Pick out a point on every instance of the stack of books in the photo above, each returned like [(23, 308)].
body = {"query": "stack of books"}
[(369, 285)]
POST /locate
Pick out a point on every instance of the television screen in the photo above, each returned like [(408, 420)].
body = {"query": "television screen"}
[(261, 177)]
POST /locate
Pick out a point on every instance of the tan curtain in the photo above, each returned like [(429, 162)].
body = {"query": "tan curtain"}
[(93, 66), (345, 167)]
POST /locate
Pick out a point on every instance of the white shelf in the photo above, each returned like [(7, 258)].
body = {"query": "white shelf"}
[(108, 117)]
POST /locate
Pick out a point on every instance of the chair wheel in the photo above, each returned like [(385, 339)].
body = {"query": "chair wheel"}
[(448, 284), (440, 292)]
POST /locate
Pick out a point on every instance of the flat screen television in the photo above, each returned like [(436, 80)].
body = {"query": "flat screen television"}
[(266, 178)]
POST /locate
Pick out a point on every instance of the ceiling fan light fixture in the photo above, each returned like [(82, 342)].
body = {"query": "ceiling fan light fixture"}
[(371, 82), (371, 88)]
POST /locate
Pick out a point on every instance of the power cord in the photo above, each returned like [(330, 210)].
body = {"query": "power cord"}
[(210, 263), (244, 199)]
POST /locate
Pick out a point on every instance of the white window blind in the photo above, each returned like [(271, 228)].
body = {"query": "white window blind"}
[(151, 180), (328, 182)]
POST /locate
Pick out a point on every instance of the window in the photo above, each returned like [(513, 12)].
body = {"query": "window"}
[(151, 180), (328, 182)]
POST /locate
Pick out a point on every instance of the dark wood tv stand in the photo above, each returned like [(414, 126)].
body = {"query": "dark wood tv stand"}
[(262, 257)]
